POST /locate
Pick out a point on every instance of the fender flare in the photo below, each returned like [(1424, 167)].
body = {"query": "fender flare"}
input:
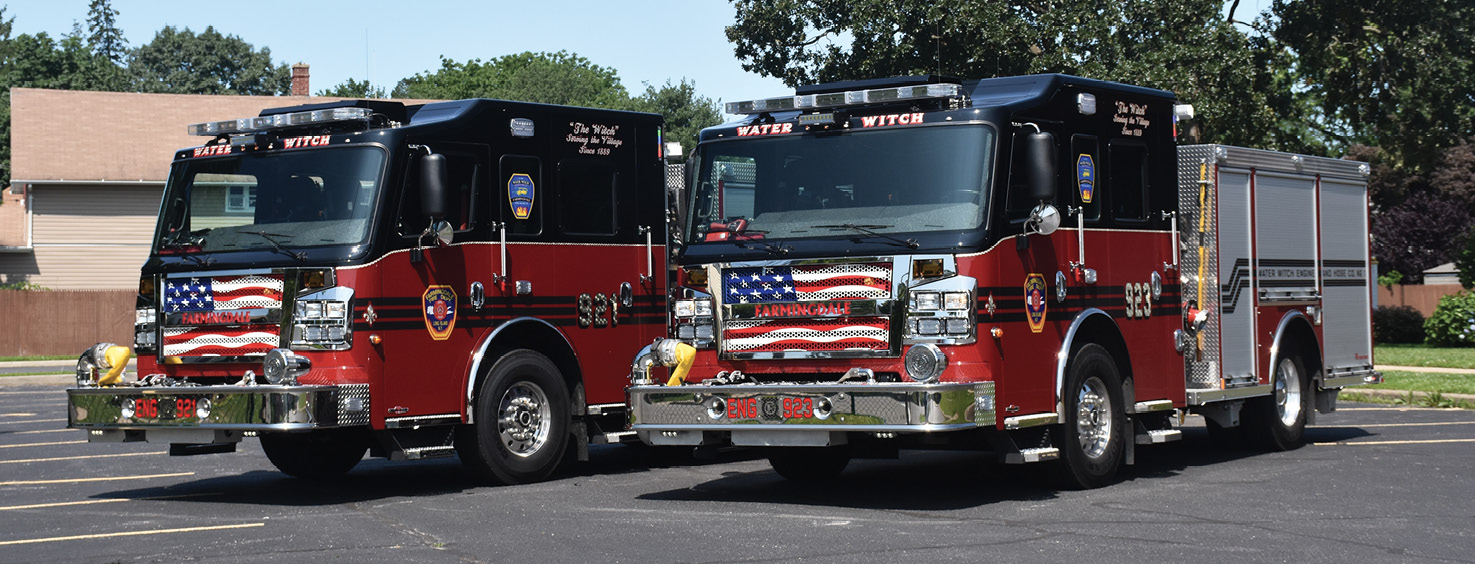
[(473, 377), (1062, 359), (1280, 331)]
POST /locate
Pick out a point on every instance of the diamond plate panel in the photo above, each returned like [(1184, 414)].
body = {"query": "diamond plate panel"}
[(1200, 258), (353, 404)]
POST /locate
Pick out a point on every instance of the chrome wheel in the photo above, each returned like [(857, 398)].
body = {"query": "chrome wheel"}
[(1093, 417), (1287, 392), (525, 419)]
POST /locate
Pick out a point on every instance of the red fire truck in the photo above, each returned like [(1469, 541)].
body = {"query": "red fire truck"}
[(1028, 265), (412, 280)]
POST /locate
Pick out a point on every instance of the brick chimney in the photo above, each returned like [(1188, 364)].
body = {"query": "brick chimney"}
[(299, 80)]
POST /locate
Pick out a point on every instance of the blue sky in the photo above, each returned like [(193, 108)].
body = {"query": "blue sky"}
[(384, 41), (646, 42)]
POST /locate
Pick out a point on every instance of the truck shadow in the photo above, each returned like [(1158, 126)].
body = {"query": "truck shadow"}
[(932, 480), (377, 479)]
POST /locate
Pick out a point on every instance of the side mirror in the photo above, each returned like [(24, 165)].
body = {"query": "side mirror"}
[(433, 179), (1040, 165), (1045, 219)]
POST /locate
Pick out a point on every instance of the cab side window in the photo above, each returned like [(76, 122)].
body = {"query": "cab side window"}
[(1018, 204), (1128, 169), (465, 171), (588, 197)]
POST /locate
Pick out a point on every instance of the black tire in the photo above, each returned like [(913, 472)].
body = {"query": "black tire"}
[(809, 464), (1277, 422), (315, 455), (1093, 432), (522, 421)]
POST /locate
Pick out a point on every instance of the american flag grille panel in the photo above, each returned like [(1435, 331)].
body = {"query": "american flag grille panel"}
[(764, 284), (221, 294), (772, 335)]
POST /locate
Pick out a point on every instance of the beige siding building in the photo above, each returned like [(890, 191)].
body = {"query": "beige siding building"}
[(91, 167)]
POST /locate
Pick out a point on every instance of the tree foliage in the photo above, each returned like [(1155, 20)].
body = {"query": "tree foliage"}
[(550, 78), (354, 89), (1421, 232), (183, 62), (567, 79), (104, 37), (1399, 74), (686, 112), (1180, 45)]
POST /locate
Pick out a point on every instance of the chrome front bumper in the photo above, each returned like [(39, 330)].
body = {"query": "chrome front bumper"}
[(217, 408), (803, 415)]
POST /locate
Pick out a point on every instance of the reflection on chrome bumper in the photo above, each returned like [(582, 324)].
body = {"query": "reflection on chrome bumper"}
[(657, 411), (243, 408)]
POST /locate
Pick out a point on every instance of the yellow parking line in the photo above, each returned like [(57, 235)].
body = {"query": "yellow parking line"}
[(134, 533), (1391, 409), (35, 392), (1399, 425), (1418, 442), (17, 415), (43, 444), (80, 457), (32, 421), (104, 479), (97, 501), (41, 431)]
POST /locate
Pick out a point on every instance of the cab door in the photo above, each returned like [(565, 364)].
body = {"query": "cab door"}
[(428, 288)]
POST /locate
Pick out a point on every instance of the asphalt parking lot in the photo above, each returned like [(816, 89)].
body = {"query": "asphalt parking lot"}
[(1378, 483)]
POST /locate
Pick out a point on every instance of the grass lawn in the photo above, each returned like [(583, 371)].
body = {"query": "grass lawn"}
[(1426, 382), (42, 357), (1422, 355)]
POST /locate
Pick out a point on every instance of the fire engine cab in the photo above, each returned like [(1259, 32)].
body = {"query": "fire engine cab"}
[(412, 280), (1028, 265)]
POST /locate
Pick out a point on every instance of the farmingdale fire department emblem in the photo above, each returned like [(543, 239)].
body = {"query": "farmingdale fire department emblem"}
[(1034, 301), (440, 311)]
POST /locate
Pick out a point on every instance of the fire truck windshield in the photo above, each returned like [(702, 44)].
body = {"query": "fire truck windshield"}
[(887, 181), (270, 200)]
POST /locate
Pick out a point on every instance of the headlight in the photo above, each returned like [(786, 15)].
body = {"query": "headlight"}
[(926, 301), (685, 308), (955, 301), (704, 308), (323, 320)]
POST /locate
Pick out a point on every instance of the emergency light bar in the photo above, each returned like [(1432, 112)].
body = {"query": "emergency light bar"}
[(848, 98), (265, 123)]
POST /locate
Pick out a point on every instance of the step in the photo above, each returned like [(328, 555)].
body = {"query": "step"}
[(1159, 436), (422, 453), (1028, 455)]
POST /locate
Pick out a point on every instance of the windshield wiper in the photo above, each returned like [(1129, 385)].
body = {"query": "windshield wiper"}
[(742, 236), (277, 245), (867, 229), (178, 243)]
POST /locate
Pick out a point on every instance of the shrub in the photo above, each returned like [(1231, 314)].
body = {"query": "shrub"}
[(1398, 325), (1453, 322)]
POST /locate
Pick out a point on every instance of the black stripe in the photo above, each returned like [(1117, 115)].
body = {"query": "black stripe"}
[(1285, 262), (1345, 283), (1344, 263)]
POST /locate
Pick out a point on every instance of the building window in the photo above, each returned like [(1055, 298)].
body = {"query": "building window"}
[(240, 199)]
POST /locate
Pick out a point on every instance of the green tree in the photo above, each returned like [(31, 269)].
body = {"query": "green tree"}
[(354, 89), (550, 78), (182, 62), (1397, 74), (686, 112), (1178, 45), (104, 37)]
